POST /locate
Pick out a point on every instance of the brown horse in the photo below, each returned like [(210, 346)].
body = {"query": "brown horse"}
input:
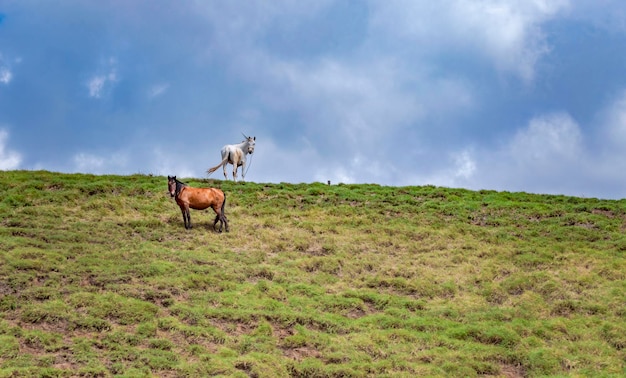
[(198, 199)]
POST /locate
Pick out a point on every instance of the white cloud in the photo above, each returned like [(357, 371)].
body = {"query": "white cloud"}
[(88, 163), (239, 25), (273, 162), (551, 154), (8, 159), (547, 156), (507, 32), (95, 86), (549, 140), (98, 84), (157, 90), (465, 166), (355, 99), (610, 141), (168, 162), (607, 14), (363, 106), (460, 171), (614, 125), (5, 75), (153, 160), (92, 163)]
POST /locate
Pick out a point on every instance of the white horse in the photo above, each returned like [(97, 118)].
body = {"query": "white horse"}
[(235, 154)]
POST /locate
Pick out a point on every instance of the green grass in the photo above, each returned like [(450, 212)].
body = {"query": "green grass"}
[(98, 277)]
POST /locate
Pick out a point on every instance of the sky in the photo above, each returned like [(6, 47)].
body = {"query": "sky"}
[(515, 95)]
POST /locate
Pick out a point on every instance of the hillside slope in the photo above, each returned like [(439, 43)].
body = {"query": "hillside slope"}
[(98, 277)]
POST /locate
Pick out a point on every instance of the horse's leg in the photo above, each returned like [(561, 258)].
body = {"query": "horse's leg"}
[(235, 166), (222, 213), (223, 219), (188, 217), (182, 210), (243, 171), (217, 218), (224, 156)]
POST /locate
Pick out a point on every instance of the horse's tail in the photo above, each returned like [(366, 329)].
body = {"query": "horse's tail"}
[(224, 204), (211, 170)]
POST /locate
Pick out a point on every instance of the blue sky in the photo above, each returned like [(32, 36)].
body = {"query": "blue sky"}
[(526, 95)]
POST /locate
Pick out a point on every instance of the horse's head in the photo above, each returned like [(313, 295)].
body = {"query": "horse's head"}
[(251, 141), (171, 185)]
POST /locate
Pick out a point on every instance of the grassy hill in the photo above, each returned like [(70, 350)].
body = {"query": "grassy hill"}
[(98, 277)]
